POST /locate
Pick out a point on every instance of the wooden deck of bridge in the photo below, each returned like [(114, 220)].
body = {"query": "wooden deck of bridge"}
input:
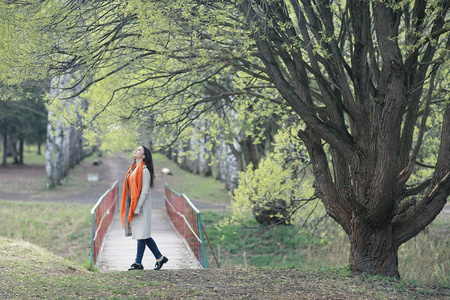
[(118, 252)]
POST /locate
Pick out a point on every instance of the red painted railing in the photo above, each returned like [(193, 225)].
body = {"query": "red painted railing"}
[(102, 215), (188, 222)]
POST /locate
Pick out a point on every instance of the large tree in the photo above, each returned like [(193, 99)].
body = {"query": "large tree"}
[(362, 76)]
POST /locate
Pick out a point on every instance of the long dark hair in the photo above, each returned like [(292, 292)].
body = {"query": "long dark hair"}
[(149, 163)]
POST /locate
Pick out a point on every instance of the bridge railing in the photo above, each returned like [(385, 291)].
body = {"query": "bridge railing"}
[(102, 216), (188, 222)]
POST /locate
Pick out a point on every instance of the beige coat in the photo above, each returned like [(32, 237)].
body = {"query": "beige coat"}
[(142, 223)]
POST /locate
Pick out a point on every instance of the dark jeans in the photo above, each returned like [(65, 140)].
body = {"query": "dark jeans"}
[(141, 248)]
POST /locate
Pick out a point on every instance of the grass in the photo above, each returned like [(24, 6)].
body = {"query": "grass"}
[(195, 187), (63, 229), (425, 258), (30, 155), (29, 271)]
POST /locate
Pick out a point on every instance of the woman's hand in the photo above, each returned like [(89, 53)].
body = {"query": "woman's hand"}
[(135, 214)]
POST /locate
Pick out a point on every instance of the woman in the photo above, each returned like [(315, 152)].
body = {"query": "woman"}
[(136, 207)]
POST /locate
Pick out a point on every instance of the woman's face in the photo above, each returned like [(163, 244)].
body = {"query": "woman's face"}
[(139, 153)]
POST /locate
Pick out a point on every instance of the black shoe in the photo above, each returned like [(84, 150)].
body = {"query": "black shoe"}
[(136, 266), (159, 264)]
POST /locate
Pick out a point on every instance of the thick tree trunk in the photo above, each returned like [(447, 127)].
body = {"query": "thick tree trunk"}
[(372, 250), (369, 228)]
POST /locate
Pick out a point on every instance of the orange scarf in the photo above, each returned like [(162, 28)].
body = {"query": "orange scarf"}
[(135, 185)]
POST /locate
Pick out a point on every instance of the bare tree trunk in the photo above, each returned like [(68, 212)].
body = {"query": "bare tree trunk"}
[(191, 162), (181, 158), (13, 149), (21, 142), (237, 155), (205, 155), (49, 162), (250, 152), (204, 160), (62, 148), (59, 155), (5, 151), (75, 148), (66, 151), (228, 167)]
